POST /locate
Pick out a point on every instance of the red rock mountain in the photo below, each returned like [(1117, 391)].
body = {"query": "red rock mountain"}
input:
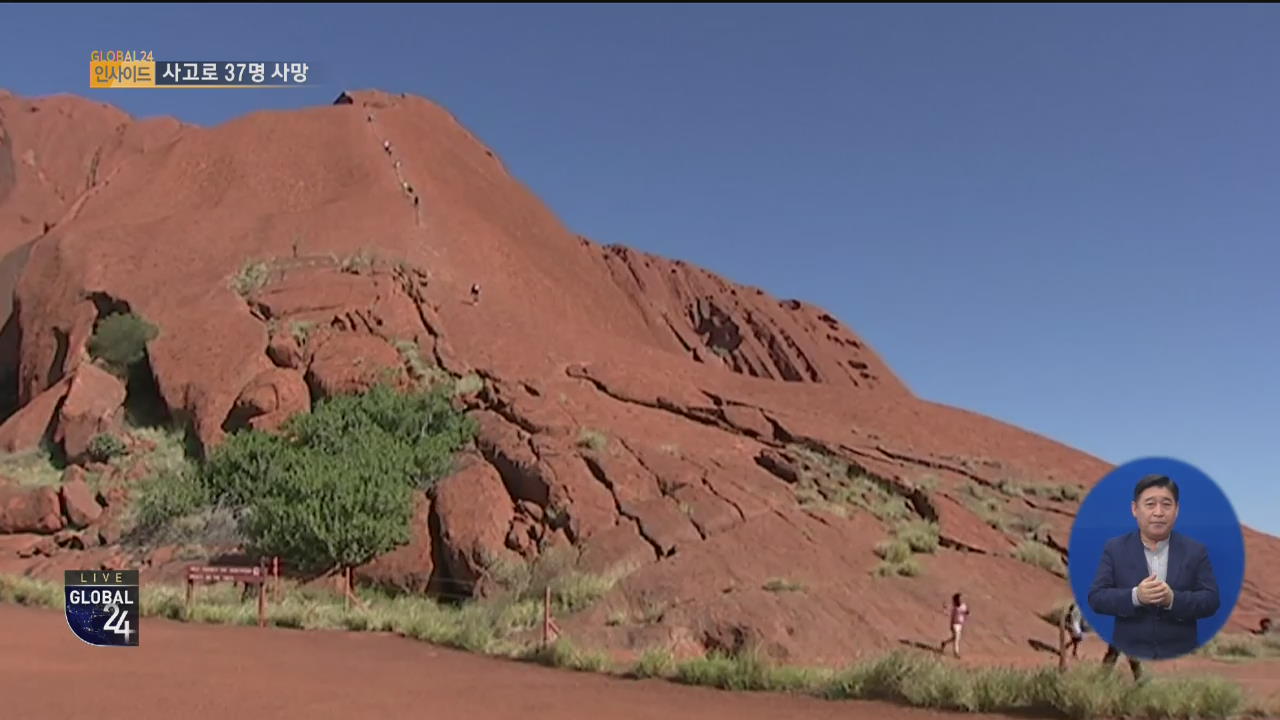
[(644, 413)]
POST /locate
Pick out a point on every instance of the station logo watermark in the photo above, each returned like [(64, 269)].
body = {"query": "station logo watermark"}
[(103, 606)]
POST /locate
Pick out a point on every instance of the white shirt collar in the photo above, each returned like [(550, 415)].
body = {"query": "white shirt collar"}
[(1160, 546)]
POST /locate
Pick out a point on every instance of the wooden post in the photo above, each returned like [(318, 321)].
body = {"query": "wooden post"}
[(346, 588), (550, 632), (546, 618), (262, 603), (190, 591), (275, 574)]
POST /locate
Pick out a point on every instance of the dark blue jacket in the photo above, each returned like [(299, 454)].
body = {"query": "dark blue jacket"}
[(1150, 633)]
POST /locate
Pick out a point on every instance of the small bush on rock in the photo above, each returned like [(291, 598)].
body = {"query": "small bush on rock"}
[(120, 341), (104, 447)]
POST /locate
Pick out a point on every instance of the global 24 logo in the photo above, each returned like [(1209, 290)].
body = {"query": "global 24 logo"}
[(103, 606)]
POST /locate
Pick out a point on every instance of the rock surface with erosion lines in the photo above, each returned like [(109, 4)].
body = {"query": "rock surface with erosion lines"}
[(732, 459)]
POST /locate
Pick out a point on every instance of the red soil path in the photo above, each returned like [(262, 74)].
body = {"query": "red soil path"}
[(209, 671), (219, 672)]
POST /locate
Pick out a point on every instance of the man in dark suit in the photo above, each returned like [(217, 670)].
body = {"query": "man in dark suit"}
[(1155, 582)]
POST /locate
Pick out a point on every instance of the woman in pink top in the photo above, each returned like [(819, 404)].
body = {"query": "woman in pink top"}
[(959, 613)]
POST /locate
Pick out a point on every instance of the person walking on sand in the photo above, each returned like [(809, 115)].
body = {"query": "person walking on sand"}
[(959, 614), (1075, 629)]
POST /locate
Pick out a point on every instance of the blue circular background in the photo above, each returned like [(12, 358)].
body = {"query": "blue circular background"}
[(1204, 514)]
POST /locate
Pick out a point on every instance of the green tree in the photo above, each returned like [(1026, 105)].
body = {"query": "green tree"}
[(325, 512), (335, 488)]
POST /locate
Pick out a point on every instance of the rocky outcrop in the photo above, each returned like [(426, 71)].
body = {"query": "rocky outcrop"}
[(79, 504), (29, 510), (34, 422), (350, 363), (471, 513), (94, 405), (271, 399)]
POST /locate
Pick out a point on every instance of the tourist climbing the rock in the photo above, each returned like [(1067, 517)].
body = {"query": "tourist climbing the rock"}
[(475, 293), (959, 614), (386, 146)]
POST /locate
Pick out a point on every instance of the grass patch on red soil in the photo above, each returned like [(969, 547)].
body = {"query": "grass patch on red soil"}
[(1242, 647)]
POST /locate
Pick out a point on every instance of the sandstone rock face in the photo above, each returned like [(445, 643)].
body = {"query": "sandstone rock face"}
[(29, 510), (33, 422), (730, 458), (94, 404), (270, 399), (79, 504), (473, 513), (349, 363)]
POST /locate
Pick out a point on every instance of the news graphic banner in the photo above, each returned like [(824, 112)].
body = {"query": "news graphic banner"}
[(103, 606), (127, 69)]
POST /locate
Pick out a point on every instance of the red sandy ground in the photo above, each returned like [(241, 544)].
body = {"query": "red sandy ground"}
[(202, 671), (205, 671)]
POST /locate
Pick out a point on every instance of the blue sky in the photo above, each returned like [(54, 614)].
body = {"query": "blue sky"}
[(1064, 217)]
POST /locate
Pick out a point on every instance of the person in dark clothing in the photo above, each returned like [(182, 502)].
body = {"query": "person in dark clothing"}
[(1113, 654)]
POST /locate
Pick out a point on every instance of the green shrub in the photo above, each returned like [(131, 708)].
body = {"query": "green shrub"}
[(905, 568), (36, 466), (331, 511), (571, 589), (1010, 488), (563, 653), (120, 340), (300, 330), (920, 535), (655, 662), (103, 447), (251, 277), (894, 551), (1057, 493), (468, 385), (335, 487), (989, 509), (746, 670), (360, 262), (1040, 555), (167, 496), (593, 440), (1239, 645), (891, 509)]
